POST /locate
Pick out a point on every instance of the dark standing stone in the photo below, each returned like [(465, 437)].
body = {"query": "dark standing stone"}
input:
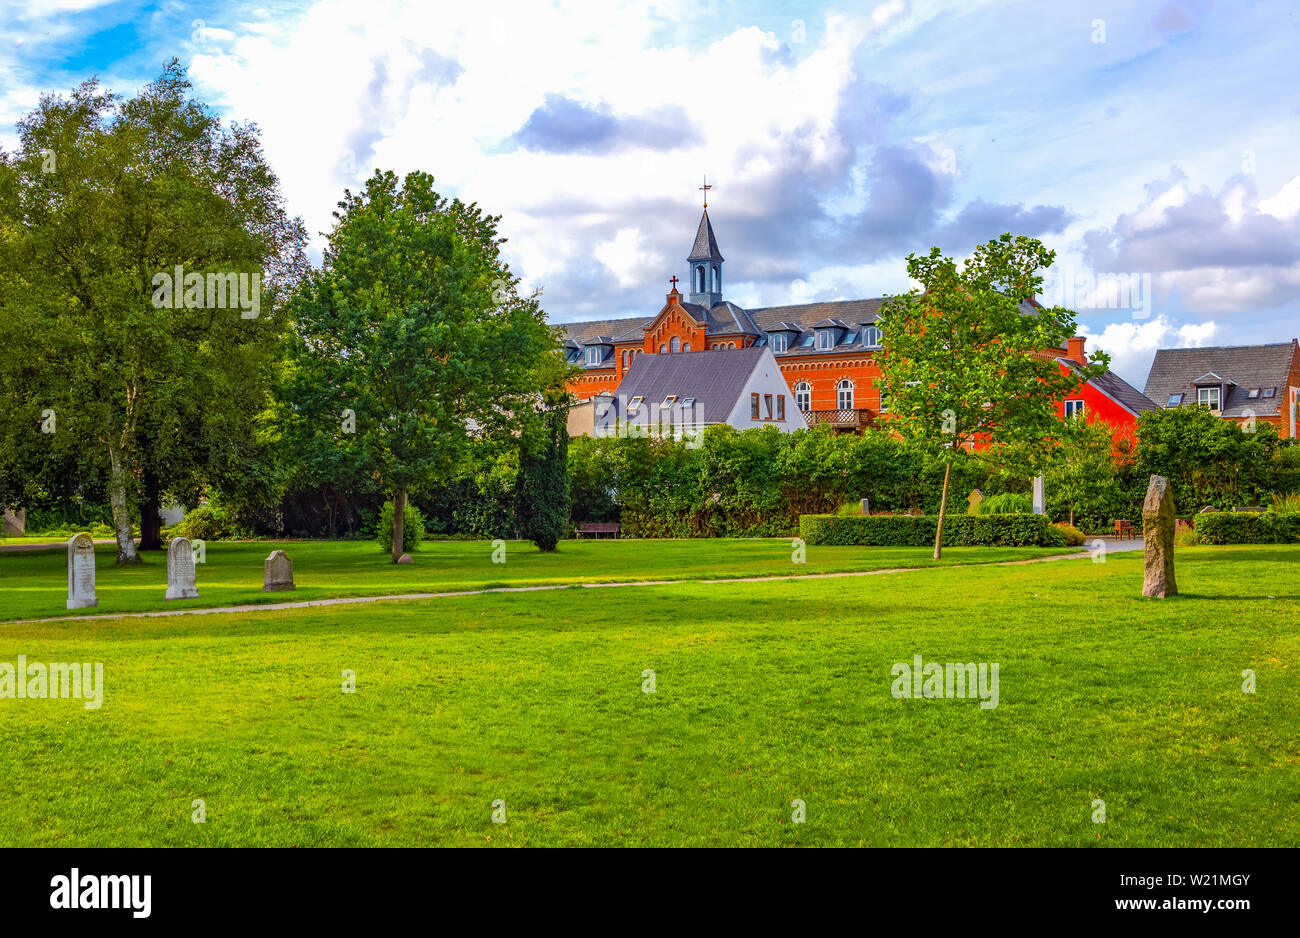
[(1158, 532)]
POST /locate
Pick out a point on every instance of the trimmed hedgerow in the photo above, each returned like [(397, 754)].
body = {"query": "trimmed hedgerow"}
[(1021, 530), (1248, 527)]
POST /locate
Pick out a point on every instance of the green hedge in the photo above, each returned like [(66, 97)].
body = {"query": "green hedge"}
[(1020, 530), (1248, 527)]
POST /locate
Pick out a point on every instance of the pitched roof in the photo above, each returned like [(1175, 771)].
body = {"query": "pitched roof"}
[(1117, 389), (705, 247), (1243, 367), (805, 315), (714, 378)]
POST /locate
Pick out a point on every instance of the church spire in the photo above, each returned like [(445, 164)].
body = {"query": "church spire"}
[(705, 261)]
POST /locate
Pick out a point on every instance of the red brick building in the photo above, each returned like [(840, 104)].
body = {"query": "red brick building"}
[(829, 353)]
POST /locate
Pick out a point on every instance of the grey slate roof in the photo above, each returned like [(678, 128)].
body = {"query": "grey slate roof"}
[(714, 378), (705, 247), (1243, 367), (1117, 389)]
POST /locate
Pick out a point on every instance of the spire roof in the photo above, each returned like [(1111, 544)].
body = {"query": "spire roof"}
[(706, 245)]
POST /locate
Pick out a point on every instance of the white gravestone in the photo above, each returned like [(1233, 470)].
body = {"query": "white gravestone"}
[(180, 570), (277, 573), (81, 572), (1040, 499)]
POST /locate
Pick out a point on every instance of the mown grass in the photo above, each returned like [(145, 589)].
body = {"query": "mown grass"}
[(765, 693), (35, 584)]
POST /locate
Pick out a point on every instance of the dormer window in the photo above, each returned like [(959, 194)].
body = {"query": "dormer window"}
[(1208, 397), (593, 355), (871, 336), (780, 341), (825, 339)]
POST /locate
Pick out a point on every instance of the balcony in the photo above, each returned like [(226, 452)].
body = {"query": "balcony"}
[(845, 420)]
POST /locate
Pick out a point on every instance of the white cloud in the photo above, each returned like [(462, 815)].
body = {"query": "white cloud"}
[(1132, 344)]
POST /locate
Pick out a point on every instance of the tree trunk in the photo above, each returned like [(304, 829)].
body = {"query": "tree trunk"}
[(150, 522), (943, 510), (126, 552), (399, 517), (1071, 517)]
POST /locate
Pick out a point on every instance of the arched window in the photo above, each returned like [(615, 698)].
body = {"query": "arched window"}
[(803, 395), (699, 279), (686, 347), (844, 394), (663, 350), (676, 344), (717, 279)]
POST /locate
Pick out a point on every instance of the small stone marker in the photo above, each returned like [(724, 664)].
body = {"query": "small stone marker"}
[(1158, 533), (973, 502), (866, 506), (81, 572), (1040, 499), (180, 570), (405, 558), (278, 573)]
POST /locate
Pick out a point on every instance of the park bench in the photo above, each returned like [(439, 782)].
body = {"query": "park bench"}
[(597, 528), (1123, 528)]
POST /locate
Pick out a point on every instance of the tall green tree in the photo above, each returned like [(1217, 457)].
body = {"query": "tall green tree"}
[(412, 339), (101, 204), (963, 363), (543, 484)]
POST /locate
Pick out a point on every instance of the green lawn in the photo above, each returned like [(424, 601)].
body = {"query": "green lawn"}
[(765, 693), (35, 584)]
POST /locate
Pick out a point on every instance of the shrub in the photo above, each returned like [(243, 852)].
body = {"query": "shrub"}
[(1286, 503), (1073, 536), (1018, 530), (1008, 503), (412, 528), (1248, 527), (207, 523)]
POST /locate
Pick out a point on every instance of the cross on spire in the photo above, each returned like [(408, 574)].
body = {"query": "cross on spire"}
[(705, 189), (673, 281)]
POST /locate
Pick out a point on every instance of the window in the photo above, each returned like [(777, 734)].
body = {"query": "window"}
[(1269, 392), (1252, 393), (699, 279), (780, 341), (669, 401), (844, 394), (825, 338), (1073, 409), (688, 402), (593, 355), (780, 407), (663, 350), (675, 345), (686, 347), (634, 405), (1175, 400), (767, 403), (753, 406), (1208, 397), (803, 396), (871, 336)]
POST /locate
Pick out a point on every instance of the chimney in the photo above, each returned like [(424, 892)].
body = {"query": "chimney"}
[(1075, 352)]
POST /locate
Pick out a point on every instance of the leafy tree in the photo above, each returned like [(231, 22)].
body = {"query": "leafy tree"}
[(102, 197), (411, 338), (1085, 475), (963, 358), (1208, 460), (543, 484)]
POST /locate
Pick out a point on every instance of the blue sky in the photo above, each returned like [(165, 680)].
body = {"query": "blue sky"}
[(1157, 141)]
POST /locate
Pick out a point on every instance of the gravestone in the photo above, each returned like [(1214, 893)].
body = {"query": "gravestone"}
[(405, 558), (180, 570), (973, 502), (15, 522), (866, 506), (1040, 499), (1158, 534), (277, 573), (81, 572)]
